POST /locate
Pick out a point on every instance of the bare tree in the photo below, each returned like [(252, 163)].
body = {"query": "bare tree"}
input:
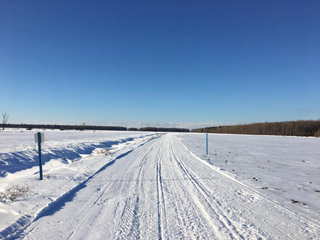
[(5, 117)]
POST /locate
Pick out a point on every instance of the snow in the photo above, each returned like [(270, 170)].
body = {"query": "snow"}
[(19, 140), (286, 169), (19, 150), (68, 159), (134, 185)]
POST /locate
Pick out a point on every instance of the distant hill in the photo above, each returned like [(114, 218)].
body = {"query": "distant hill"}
[(290, 128)]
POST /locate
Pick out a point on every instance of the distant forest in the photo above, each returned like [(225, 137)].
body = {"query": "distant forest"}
[(64, 127), (154, 129), (90, 127), (292, 128)]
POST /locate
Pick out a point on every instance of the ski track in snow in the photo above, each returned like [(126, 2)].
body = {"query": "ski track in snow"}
[(160, 190)]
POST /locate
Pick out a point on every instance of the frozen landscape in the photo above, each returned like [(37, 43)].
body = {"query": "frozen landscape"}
[(140, 185)]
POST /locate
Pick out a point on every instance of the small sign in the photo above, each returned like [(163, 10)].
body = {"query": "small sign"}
[(36, 137)]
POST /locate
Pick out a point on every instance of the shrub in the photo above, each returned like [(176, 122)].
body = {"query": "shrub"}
[(317, 134), (14, 193), (102, 151)]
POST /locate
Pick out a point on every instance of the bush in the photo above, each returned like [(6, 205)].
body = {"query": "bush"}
[(317, 134), (14, 193), (101, 151)]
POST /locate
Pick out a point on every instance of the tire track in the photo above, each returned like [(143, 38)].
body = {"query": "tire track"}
[(280, 233), (129, 227), (160, 196), (182, 210), (220, 216)]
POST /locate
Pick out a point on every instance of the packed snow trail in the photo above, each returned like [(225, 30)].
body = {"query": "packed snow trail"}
[(160, 190)]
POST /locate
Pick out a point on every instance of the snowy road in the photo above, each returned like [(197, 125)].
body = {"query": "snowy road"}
[(160, 190)]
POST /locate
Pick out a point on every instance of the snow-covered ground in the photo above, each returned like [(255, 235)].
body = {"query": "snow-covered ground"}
[(68, 157), (286, 169), (19, 151), (19, 140), (160, 187)]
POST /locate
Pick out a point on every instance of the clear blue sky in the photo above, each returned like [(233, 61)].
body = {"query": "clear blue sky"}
[(185, 62)]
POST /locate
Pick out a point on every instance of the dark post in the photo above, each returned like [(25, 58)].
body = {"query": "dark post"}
[(207, 144), (39, 146)]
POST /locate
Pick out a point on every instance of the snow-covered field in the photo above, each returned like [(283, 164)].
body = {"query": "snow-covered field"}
[(286, 169), (134, 185)]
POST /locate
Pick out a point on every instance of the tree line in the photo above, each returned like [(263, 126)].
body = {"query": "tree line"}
[(91, 127), (64, 127), (154, 129), (289, 128)]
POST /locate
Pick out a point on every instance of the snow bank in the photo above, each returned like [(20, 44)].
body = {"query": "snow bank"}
[(18, 151)]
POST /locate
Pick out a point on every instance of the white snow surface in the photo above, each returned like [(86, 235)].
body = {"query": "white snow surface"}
[(286, 169), (160, 187)]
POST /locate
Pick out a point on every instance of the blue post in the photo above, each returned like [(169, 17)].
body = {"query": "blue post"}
[(40, 163), (206, 143)]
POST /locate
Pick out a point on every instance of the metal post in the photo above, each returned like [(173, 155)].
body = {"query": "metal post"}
[(206, 143), (39, 147)]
